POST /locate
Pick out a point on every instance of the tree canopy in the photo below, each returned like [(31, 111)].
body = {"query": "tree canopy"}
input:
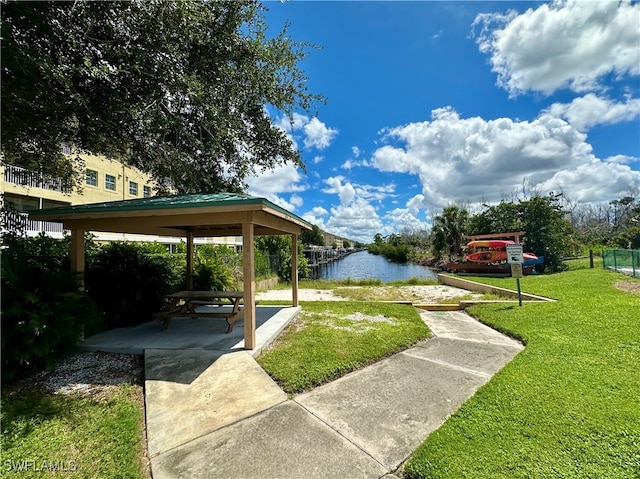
[(312, 237), (181, 90), (449, 230), (548, 231)]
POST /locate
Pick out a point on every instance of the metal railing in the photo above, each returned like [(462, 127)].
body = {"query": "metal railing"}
[(625, 261), (19, 222), (24, 177)]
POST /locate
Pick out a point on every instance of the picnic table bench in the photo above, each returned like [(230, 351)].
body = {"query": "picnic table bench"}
[(184, 304)]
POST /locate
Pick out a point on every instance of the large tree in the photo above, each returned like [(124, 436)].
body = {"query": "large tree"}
[(181, 89), (449, 230)]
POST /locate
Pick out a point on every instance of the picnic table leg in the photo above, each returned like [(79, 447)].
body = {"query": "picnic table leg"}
[(166, 322), (235, 314)]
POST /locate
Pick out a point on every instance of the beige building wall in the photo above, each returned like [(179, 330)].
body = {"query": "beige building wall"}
[(109, 180), (103, 180)]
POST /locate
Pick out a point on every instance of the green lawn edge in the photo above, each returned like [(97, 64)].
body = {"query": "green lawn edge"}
[(568, 406), (325, 341), (56, 435)]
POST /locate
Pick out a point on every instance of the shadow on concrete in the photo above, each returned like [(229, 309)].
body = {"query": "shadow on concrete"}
[(208, 334)]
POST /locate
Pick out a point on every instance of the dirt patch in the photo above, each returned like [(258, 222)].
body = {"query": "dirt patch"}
[(629, 286), (416, 294)]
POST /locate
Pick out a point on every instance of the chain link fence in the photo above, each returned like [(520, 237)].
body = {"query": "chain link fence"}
[(625, 261)]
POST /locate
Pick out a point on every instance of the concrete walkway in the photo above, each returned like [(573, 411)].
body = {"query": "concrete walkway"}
[(214, 415)]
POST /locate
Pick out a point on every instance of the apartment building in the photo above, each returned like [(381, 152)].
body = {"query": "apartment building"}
[(104, 180)]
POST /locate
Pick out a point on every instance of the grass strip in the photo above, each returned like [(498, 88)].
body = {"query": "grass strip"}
[(566, 406), (331, 338), (47, 434)]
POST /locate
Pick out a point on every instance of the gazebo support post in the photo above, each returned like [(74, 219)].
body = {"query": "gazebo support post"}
[(294, 268), (190, 258), (77, 256), (248, 270)]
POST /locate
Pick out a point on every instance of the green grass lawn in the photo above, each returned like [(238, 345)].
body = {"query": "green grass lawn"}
[(329, 339), (568, 406), (53, 435)]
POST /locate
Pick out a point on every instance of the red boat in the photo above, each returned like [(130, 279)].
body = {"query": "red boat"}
[(489, 256), (487, 251)]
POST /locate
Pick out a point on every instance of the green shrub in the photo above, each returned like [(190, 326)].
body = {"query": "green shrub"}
[(280, 247), (43, 313), (129, 281), (210, 271), (262, 264)]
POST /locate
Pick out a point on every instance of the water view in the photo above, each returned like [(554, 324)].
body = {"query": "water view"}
[(363, 265)]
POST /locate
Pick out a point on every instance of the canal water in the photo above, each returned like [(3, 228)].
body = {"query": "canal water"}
[(363, 265)]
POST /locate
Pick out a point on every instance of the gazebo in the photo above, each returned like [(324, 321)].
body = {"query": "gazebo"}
[(188, 216)]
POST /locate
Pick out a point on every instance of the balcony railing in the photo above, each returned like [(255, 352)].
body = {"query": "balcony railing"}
[(24, 177), (16, 221)]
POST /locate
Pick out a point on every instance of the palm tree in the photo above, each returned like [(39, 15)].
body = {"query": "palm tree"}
[(449, 230)]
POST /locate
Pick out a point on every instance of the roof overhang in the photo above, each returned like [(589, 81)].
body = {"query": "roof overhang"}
[(203, 215)]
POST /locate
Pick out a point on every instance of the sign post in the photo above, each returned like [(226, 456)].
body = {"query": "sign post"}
[(515, 258)]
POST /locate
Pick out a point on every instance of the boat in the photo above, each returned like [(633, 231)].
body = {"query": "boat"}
[(488, 256)]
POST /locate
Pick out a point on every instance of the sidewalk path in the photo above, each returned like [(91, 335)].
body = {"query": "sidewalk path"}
[(214, 416)]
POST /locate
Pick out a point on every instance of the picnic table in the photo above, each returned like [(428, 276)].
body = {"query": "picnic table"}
[(190, 304)]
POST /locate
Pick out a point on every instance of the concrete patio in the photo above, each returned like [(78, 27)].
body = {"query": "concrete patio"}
[(187, 334)]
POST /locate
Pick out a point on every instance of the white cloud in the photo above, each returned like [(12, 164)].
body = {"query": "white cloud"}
[(271, 184), (408, 219), (350, 164), (589, 178), (590, 110), (296, 200), (345, 192), (412, 218), (316, 217), (319, 211), (374, 192), (621, 159), (472, 159), (354, 217), (357, 221), (318, 135), (564, 44), (402, 220)]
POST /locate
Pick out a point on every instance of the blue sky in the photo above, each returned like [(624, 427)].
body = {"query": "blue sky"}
[(437, 103)]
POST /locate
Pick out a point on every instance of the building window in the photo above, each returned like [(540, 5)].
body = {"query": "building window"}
[(110, 182), (147, 191), (92, 177), (133, 188)]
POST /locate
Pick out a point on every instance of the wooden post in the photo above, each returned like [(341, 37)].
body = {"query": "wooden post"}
[(294, 268), (190, 261), (248, 269), (591, 258), (77, 256)]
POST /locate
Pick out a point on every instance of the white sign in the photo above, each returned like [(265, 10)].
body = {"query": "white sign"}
[(516, 270), (514, 253)]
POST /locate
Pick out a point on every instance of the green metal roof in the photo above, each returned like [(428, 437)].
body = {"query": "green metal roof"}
[(167, 202)]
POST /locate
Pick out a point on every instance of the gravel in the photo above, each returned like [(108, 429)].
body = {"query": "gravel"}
[(90, 374)]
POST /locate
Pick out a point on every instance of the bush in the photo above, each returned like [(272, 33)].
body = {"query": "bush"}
[(280, 246), (214, 268), (43, 313), (129, 281)]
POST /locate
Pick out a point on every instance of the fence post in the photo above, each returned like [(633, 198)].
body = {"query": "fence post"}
[(591, 258)]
